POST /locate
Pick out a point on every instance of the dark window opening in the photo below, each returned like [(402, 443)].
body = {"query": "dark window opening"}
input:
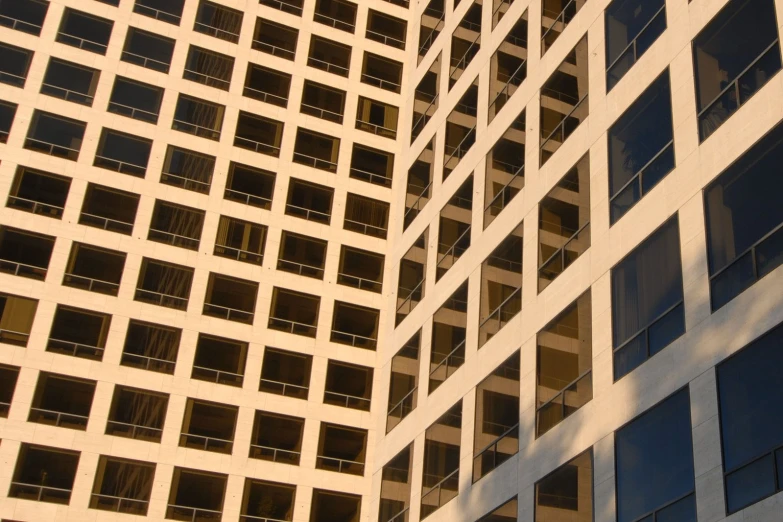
[(219, 21), (316, 150), (328, 506), (275, 39), (39, 192), (63, 401), (355, 325), (140, 101), (250, 185), (148, 50), (404, 382), (454, 228), (187, 169), (44, 474), (267, 500), (208, 426), (567, 492), (339, 14), (169, 11), (15, 64), (322, 102), (632, 26), (329, 56), (137, 414), (108, 208), (505, 170), (122, 486), (411, 277), (366, 216), (123, 153), (196, 495), (55, 135), (151, 347), (267, 85), (258, 134), (164, 284), (277, 438), (417, 192), (348, 385), (176, 225), (360, 269), (286, 373), (372, 165), (16, 318), (24, 15), (208, 68), (440, 475), (294, 312), (240, 240), (70, 81), (230, 298), (386, 29), (302, 255), (8, 377), (85, 31), (377, 117), (198, 117), (341, 449), (449, 327), (220, 360), (24, 253), (309, 201), (381, 72), (508, 67), (79, 333), (501, 285), (7, 115), (94, 269)]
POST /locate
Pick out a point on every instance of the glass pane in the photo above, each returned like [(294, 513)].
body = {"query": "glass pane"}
[(630, 356), (681, 511), (732, 281), (769, 253), (750, 484), (667, 329)]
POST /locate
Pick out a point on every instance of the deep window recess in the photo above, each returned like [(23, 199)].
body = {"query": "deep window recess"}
[(322, 102), (208, 426), (230, 298), (196, 495), (567, 492), (148, 50), (341, 449), (44, 474), (94, 269), (377, 117), (302, 255), (8, 377), (137, 414), (641, 147), (70, 81), (440, 474), (749, 397), (425, 98), (16, 318), (267, 85), (220, 360), (496, 431), (187, 169), (411, 277), (432, 21), (501, 285), (632, 26), (328, 506), (209, 68), (264, 500), (465, 42), (293, 7), (355, 325), (250, 185), (556, 15), (277, 438), (39, 192), (309, 201), (61, 400), (55, 135), (198, 117), (15, 64), (564, 377), (564, 101), (108, 208), (123, 153), (348, 385), (404, 381), (564, 223), (460, 129), (744, 220), (24, 253), (505, 169), (169, 11), (294, 312), (647, 317), (454, 228), (654, 463), (419, 185), (218, 21), (24, 15), (85, 31), (151, 347), (164, 284), (372, 165), (275, 39), (316, 150), (329, 56), (386, 29), (449, 326), (339, 14), (360, 269), (7, 115), (140, 101), (734, 56), (176, 225), (395, 497), (122, 486), (259, 134), (286, 373), (78, 332), (240, 240), (381, 72), (366, 216), (508, 67)]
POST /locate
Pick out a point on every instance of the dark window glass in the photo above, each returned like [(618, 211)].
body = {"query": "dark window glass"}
[(259, 134), (632, 26), (187, 169), (744, 219), (567, 492), (122, 486), (7, 114), (140, 101), (123, 153), (275, 39), (55, 135), (654, 462), (85, 31), (164, 284), (109, 209), (733, 57), (39, 192), (14, 65), (641, 147), (198, 117), (210, 68), (329, 56), (169, 11), (218, 21), (70, 81), (250, 185), (148, 50), (44, 474), (647, 299), (24, 15), (267, 85), (751, 420)]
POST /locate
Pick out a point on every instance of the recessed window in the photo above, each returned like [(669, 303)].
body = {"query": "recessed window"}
[(70, 81), (556, 15), (294, 312), (151, 347), (460, 129), (277, 438), (208, 68), (267, 500), (208, 426), (196, 495), (267, 85), (7, 115), (360, 269), (24, 15), (411, 276), (24, 253), (381, 72), (198, 117), (348, 385), (641, 147), (219, 21), (465, 43), (743, 218), (322, 102), (449, 328), (316, 150), (123, 153), (79, 333), (240, 240), (567, 492), (187, 169), (309, 201), (302, 255), (440, 474), (148, 50), (386, 29), (286, 373), (85, 31), (176, 225), (258, 134), (372, 165), (403, 383), (275, 39), (654, 463), (44, 474), (39, 192), (647, 318), (418, 185), (505, 169), (632, 26), (749, 398), (339, 14), (122, 486), (425, 98), (94, 269), (16, 319), (293, 7), (366, 216), (501, 285), (341, 449), (8, 377), (355, 325), (164, 284), (377, 118), (169, 11), (508, 67), (395, 497), (329, 56), (230, 298), (431, 23), (220, 360), (250, 185), (508, 511), (60, 400), (331, 505), (55, 135), (137, 414), (140, 101), (108, 208), (454, 228), (15, 64)]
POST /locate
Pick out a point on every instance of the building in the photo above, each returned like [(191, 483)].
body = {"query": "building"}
[(294, 260)]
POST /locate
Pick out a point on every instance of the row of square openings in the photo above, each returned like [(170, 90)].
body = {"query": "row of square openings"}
[(47, 474)]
